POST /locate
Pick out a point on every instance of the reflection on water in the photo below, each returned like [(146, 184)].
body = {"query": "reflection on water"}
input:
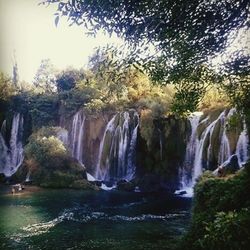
[(68, 219)]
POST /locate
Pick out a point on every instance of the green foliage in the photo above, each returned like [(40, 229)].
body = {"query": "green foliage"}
[(185, 36), (186, 32), (48, 161), (95, 105), (221, 213), (191, 90), (77, 98), (235, 122), (44, 79), (6, 88), (215, 98), (229, 230), (237, 84), (146, 125), (67, 79), (43, 110), (45, 150)]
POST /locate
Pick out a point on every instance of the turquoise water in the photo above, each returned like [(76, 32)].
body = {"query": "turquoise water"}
[(69, 219)]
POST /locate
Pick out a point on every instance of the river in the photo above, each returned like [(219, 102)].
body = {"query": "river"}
[(70, 219)]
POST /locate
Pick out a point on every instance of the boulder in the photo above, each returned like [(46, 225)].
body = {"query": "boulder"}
[(124, 185), (84, 185), (228, 167), (96, 183)]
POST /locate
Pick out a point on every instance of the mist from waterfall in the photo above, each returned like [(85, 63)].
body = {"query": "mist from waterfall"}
[(11, 156)]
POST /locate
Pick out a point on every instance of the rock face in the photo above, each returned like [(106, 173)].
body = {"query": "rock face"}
[(118, 146), (124, 185), (158, 159), (104, 143), (85, 133), (214, 144)]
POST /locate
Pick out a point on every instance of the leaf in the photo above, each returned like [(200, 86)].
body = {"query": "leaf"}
[(56, 20)]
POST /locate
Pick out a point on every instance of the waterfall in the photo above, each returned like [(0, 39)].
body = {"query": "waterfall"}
[(132, 153), (116, 158), (242, 146), (77, 136), (199, 161), (186, 180), (3, 129), (224, 152), (160, 135), (199, 151), (12, 156), (100, 173), (63, 136)]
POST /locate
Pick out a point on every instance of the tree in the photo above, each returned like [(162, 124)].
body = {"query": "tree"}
[(237, 85), (68, 78), (6, 87), (185, 32), (186, 35), (15, 75), (44, 79), (107, 75)]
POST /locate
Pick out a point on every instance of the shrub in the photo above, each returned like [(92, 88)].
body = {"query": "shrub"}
[(221, 213), (49, 162)]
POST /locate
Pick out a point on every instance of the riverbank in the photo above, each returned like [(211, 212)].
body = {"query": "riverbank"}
[(7, 189)]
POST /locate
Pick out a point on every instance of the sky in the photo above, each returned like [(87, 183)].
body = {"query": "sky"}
[(29, 31)]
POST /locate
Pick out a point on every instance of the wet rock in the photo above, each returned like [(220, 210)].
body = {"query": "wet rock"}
[(229, 167), (181, 192), (124, 185), (97, 183), (84, 184)]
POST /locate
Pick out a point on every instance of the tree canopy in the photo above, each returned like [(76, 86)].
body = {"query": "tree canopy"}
[(185, 33)]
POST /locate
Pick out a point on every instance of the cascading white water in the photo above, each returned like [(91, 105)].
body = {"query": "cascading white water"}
[(3, 128), (186, 180), (117, 149), (242, 146), (12, 156), (199, 151), (198, 162), (132, 153), (224, 150), (224, 153), (76, 136)]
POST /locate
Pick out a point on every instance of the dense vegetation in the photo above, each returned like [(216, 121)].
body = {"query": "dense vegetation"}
[(50, 164), (221, 213), (186, 36)]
